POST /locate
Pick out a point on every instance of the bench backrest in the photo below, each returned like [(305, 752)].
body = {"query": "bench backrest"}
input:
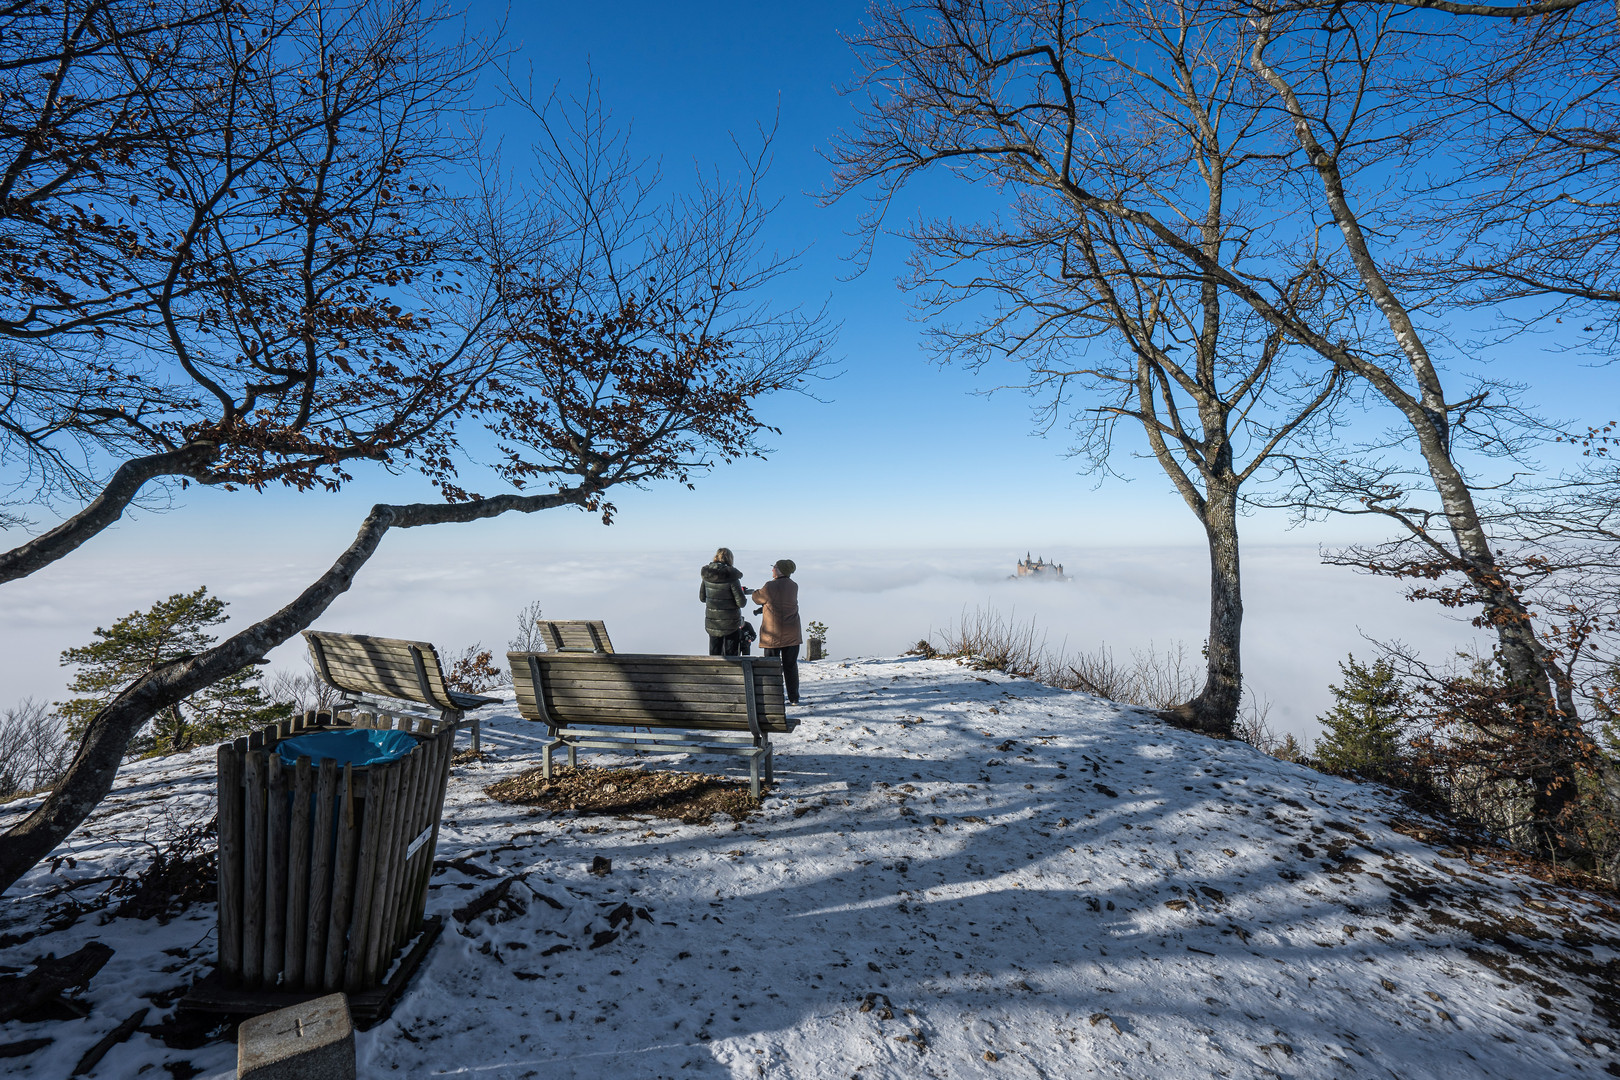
[(650, 690), (387, 667), (575, 635)]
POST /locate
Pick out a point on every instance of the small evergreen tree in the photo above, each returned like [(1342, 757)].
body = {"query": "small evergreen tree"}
[(1364, 731), (142, 641), (1291, 749)]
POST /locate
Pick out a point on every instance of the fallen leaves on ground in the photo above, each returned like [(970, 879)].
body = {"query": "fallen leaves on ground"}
[(693, 798)]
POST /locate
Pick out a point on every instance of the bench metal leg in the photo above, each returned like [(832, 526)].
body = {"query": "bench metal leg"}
[(573, 756), (477, 745), (770, 758), (753, 776), (545, 768)]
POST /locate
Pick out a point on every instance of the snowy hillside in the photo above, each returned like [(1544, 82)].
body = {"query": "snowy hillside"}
[(958, 875)]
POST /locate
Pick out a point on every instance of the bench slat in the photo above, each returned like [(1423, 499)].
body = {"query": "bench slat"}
[(592, 665), (709, 745), (582, 697), (578, 706), (401, 666), (696, 694), (575, 707), (643, 661), (397, 665), (652, 736), (728, 683), (356, 682), (375, 647), (369, 672), (683, 724), (630, 697), (666, 710), (654, 681), (370, 668)]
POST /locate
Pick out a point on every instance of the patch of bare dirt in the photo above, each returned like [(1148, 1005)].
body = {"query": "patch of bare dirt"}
[(1481, 852), (693, 798), (1577, 913)]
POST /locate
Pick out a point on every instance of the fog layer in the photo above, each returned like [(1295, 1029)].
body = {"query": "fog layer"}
[(1301, 617)]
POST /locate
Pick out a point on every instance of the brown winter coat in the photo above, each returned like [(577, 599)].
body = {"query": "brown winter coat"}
[(781, 625)]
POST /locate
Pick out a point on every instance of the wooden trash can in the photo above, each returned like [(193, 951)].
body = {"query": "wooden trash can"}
[(324, 868)]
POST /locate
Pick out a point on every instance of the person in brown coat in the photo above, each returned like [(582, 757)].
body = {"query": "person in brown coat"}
[(779, 633)]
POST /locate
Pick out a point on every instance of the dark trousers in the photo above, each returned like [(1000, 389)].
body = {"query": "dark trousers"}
[(728, 645), (790, 669)]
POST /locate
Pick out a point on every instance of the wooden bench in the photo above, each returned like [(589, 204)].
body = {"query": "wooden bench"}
[(575, 635), (686, 702), (364, 667)]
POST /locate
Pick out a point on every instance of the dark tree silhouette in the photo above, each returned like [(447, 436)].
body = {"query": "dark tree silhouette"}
[(227, 256)]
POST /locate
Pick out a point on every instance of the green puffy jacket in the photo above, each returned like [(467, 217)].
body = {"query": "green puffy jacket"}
[(723, 599)]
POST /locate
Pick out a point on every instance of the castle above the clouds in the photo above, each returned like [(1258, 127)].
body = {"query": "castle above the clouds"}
[(1039, 569)]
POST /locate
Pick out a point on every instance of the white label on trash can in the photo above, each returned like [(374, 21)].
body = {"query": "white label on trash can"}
[(419, 841)]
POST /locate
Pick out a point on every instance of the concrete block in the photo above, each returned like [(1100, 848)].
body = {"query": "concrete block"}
[(312, 1041)]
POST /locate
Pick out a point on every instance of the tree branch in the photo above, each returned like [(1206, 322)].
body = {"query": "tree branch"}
[(106, 508)]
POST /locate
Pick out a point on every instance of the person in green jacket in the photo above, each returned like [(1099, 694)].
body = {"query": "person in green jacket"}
[(722, 594)]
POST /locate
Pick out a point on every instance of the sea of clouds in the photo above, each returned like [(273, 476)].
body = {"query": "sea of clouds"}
[(1301, 617)]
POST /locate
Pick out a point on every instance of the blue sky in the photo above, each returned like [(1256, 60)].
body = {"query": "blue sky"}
[(897, 452), (892, 452)]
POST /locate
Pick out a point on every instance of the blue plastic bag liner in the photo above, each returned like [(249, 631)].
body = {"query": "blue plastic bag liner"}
[(357, 747)]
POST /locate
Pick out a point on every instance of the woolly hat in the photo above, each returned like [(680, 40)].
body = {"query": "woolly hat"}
[(786, 567)]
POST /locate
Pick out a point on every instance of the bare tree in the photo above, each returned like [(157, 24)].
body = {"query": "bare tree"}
[(1150, 104), (597, 393), (1531, 116), (473, 670), (528, 638), (228, 254), (1330, 73), (631, 416), (92, 96), (33, 751), (304, 690), (614, 235), (1532, 227)]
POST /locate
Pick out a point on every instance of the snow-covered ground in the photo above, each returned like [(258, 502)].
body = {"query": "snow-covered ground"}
[(959, 874)]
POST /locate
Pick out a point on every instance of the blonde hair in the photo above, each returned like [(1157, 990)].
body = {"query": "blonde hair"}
[(724, 555)]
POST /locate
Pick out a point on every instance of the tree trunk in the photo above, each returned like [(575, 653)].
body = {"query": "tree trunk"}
[(90, 777), (1552, 737), (1214, 711)]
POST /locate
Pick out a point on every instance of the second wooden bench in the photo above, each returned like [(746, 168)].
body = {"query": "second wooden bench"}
[(365, 667), (575, 635)]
